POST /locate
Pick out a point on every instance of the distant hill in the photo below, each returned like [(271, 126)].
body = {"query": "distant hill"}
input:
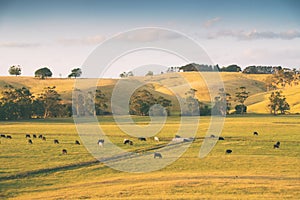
[(255, 84)]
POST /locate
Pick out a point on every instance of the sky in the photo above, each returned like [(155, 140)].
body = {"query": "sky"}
[(61, 35)]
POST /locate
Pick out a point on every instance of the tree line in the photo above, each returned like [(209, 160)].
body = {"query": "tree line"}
[(43, 72)]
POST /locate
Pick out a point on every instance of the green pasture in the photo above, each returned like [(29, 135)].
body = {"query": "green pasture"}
[(254, 170)]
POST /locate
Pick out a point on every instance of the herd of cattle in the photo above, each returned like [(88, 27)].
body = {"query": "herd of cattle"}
[(100, 142)]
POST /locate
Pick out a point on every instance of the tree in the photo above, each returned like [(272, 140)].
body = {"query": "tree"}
[(75, 73), (241, 95), (43, 73), (50, 101), (222, 103), (126, 74), (100, 102), (15, 70), (16, 103), (149, 73), (192, 104), (278, 103)]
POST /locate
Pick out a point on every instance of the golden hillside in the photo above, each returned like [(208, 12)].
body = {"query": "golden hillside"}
[(166, 84)]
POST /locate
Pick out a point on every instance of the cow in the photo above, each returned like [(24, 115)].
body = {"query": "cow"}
[(277, 145), (2, 135), (221, 138), (142, 139), (228, 151), (64, 151), (126, 141), (101, 142), (212, 136), (27, 136), (157, 155), (8, 137), (41, 136), (177, 136), (191, 139), (55, 141), (156, 139), (29, 141), (34, 135), (77, 142), (255, 133), (44, 138)]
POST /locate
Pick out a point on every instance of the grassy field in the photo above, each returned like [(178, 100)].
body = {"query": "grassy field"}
[(254, 170)]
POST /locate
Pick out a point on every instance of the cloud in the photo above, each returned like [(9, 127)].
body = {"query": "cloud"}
[(148, 35), (18, 44), (92, 40), (255, 35), (211, 22)]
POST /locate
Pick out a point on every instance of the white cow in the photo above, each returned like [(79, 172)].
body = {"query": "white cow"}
[(156, 139)]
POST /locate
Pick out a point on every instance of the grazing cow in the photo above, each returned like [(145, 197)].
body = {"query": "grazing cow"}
[(156, 139), (277, 145), (255, 133), (212, 136), (228, 151), (29, 141), (44, 138), (41, 136), (142, 139), (157, 155), (55, 141), (177, 136), (64, 151), (27, 136), (34, 135), (8, 137), (101, 142), (77, 142), (188, 139), (221, 138), (2, 135), (126, 141)]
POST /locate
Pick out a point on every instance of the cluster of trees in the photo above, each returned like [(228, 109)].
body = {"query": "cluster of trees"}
[(281, 78), (142, 101), (19, 103), (199, 67), (43, 72)]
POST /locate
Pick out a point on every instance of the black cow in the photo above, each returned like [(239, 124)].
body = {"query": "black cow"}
[(157, 155), (212, 136), (2, 135), (142, 139), (41, 136), (29, 141), (44, 138), (55, 141), (8, 137), (77, 142), (34, 135), (64, 151), (277, 145), (177, 136), (126, 141), (27, 136), (228, 151), (221, 138), (255, 133)]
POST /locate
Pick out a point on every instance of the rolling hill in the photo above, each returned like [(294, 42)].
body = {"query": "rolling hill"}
[(168, 84)]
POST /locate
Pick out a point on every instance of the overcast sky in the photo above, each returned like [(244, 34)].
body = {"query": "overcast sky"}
[(61, 35)]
